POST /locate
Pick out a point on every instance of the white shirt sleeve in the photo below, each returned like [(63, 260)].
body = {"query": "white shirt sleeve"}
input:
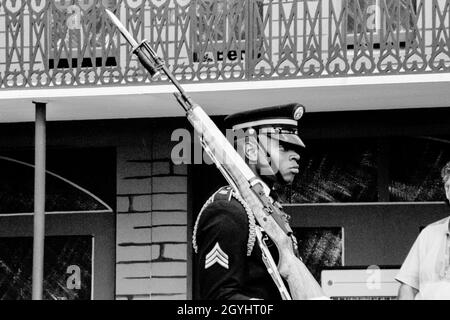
[(410, 271)]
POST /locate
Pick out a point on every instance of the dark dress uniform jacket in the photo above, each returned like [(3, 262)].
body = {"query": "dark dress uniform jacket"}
[(228, 260)]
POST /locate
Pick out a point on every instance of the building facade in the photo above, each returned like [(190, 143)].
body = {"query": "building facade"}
[(373, 75)]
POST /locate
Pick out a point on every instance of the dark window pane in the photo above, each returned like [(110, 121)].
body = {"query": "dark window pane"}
[(17, 192), (320, 248), (336, 171), (67, 268), (76, 169), (415, 165)]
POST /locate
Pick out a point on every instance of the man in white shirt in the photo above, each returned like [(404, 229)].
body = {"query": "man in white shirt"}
[(425, 274)]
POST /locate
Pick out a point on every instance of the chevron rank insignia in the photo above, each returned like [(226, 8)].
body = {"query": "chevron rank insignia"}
[(216, 255)]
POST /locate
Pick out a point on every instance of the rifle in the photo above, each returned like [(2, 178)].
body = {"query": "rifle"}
[(242, 179)]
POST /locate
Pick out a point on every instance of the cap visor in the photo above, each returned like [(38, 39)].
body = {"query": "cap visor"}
[(290, 138)]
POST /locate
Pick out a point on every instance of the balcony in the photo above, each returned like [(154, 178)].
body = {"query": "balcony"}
[(55, 44)]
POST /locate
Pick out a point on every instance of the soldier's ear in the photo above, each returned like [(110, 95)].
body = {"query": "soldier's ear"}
[(251, 152)]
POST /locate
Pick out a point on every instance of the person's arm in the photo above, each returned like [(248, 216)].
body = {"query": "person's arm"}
[(409, 274), (222, 251), (406, 292)]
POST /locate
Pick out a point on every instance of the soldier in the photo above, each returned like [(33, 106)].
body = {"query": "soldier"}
[(229, 262)]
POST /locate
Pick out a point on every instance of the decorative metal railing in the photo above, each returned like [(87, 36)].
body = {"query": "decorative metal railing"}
[(58, 43)]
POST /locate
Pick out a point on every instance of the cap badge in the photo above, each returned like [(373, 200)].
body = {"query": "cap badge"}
[(298, 114)]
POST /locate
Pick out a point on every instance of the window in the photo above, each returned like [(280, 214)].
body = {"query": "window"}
[(370, 16), (220, 30), (355, 171), (67, 268), (69, 25), (339, 170), (415, 166), (69, 184), (219, 16), (80, 224)]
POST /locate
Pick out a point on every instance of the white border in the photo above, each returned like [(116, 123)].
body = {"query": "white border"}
[(342, 204)]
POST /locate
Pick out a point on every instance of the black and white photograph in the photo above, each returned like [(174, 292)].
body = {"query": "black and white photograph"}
[(252, 151)]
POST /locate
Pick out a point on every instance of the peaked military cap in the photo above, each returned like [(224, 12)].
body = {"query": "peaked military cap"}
[(279, 122)]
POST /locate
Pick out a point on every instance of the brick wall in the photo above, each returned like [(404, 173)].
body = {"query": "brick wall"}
[(151, 222)]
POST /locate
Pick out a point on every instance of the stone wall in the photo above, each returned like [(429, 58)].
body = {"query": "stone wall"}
[(152, 244)]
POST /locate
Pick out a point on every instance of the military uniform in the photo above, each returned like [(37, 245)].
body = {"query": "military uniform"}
[(228, 257)]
